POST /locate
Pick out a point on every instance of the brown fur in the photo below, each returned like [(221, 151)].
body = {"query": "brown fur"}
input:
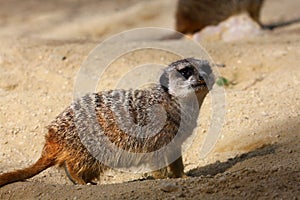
[(194, 15), (64, 148)]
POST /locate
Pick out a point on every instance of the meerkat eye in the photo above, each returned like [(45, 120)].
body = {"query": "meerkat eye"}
[(187, 71)]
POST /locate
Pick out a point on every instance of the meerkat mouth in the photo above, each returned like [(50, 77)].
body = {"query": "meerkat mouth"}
[(201, 84)]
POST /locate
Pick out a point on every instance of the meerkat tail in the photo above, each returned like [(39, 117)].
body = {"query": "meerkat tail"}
[(47, 160)]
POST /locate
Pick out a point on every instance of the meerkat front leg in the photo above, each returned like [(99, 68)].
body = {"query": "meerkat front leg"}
[(173, 170), (176, 169)]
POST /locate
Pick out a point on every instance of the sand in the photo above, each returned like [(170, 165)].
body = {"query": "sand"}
[(43, 45)]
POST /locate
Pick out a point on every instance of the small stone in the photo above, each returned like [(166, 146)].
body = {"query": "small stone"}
[(274, 169), (264, 114), (169, 187), (222, 179)]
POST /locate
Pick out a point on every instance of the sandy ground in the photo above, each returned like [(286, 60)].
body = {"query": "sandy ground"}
[(42, 46)]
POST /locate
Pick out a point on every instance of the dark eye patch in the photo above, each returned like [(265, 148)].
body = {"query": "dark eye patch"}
[(187, 71)]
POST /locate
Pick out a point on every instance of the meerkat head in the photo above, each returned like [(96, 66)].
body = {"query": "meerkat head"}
[(187, 76)]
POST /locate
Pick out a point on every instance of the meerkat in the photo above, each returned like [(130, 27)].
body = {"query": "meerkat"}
[(193, 15), (179, 81)]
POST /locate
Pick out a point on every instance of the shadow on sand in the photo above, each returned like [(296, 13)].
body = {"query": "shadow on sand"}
[(280, 24), (220, 167)]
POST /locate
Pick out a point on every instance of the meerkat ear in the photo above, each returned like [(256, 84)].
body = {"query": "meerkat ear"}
[(164, 80)]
